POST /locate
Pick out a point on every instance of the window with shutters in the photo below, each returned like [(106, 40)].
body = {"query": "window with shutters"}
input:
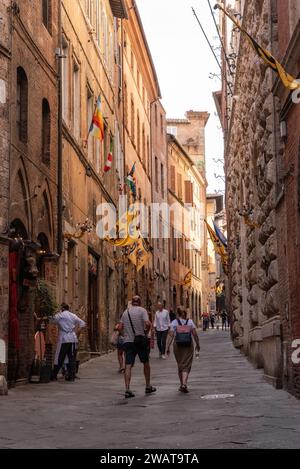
[(143, 145), (172, 176), (156, 173), (148, 157), (22, 104), (179, 182), (65, 79), (106, 142), (138, 134), (132, 120), (90, 112), (76, 99), (162, 180), (174, 244), (188, 192), (46, 132), (125, 105)]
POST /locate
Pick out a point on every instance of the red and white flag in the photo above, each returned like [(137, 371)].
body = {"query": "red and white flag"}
[(109, 160)]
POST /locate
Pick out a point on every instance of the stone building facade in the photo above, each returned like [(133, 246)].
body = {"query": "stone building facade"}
[(261, 212), (186, 232), (160, 196), (33, 171), (287, 126), (91, 67), (190, 134), (140, 92)]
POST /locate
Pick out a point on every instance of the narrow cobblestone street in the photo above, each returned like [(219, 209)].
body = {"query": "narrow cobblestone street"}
[(92, 413)]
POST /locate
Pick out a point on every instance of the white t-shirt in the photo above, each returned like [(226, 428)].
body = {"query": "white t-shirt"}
[(138, 317), (162, 320), (67, 322), (175, 323)]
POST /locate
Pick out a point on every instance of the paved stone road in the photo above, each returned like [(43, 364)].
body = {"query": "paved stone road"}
[(92, 412)]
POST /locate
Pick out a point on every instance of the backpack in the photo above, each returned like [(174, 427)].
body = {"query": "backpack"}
[(183, 337)]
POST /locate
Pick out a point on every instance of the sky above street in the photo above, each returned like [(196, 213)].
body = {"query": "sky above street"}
[(183, 62)]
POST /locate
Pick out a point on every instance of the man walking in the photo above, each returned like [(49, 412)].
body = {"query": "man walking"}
[(69, 325), (224, 320), (162, 325), (135, 325)]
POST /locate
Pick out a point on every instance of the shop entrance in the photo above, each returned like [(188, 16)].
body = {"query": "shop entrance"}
[(93, 299)]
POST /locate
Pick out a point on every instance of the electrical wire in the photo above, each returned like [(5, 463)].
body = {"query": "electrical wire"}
[(221, 40), (212, 50)]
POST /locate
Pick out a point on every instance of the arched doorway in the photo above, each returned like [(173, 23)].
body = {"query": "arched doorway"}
[(22, 282)]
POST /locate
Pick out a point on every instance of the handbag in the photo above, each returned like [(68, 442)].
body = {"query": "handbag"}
[(140, 341)]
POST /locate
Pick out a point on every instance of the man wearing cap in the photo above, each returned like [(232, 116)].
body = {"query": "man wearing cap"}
[(135, 325)]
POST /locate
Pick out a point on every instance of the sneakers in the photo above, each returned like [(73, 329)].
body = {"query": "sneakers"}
[(163, 357), (129, 394)]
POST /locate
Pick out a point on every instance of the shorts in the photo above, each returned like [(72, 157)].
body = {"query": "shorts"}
[(131, 351)]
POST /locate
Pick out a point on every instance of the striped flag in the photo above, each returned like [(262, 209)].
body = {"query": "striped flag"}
[(219, 247), (130, 181), (289, 81), (109, 159), (220, 235), (97, 125)]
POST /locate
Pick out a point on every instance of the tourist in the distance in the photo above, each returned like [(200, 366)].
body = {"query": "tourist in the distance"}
[(162, 325)]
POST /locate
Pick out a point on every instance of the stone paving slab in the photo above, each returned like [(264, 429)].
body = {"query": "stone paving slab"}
[(92, 412)]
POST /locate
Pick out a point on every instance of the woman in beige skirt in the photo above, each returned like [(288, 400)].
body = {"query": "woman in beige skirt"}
[(183, 332)]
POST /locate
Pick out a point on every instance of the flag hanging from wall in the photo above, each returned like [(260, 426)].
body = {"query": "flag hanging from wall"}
[(187, 281), (130, 181), (97, 125), (109, 159), (220, 235), (218, 246), (289, 81), (139, 253), (126, 228)]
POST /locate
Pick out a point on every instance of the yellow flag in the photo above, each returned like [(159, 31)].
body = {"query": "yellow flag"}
[(139, 254), (288, 80), (188, 279), (128, 232)]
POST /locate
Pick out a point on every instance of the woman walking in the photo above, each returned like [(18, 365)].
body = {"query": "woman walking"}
[(183, 332)]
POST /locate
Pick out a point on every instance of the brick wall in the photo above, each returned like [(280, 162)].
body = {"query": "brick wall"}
[(5, 44), (33, 184)]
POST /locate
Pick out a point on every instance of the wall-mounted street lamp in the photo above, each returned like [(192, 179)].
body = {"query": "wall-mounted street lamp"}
[(80, 230)]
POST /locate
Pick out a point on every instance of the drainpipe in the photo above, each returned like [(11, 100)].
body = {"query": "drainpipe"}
[(59, 146)]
